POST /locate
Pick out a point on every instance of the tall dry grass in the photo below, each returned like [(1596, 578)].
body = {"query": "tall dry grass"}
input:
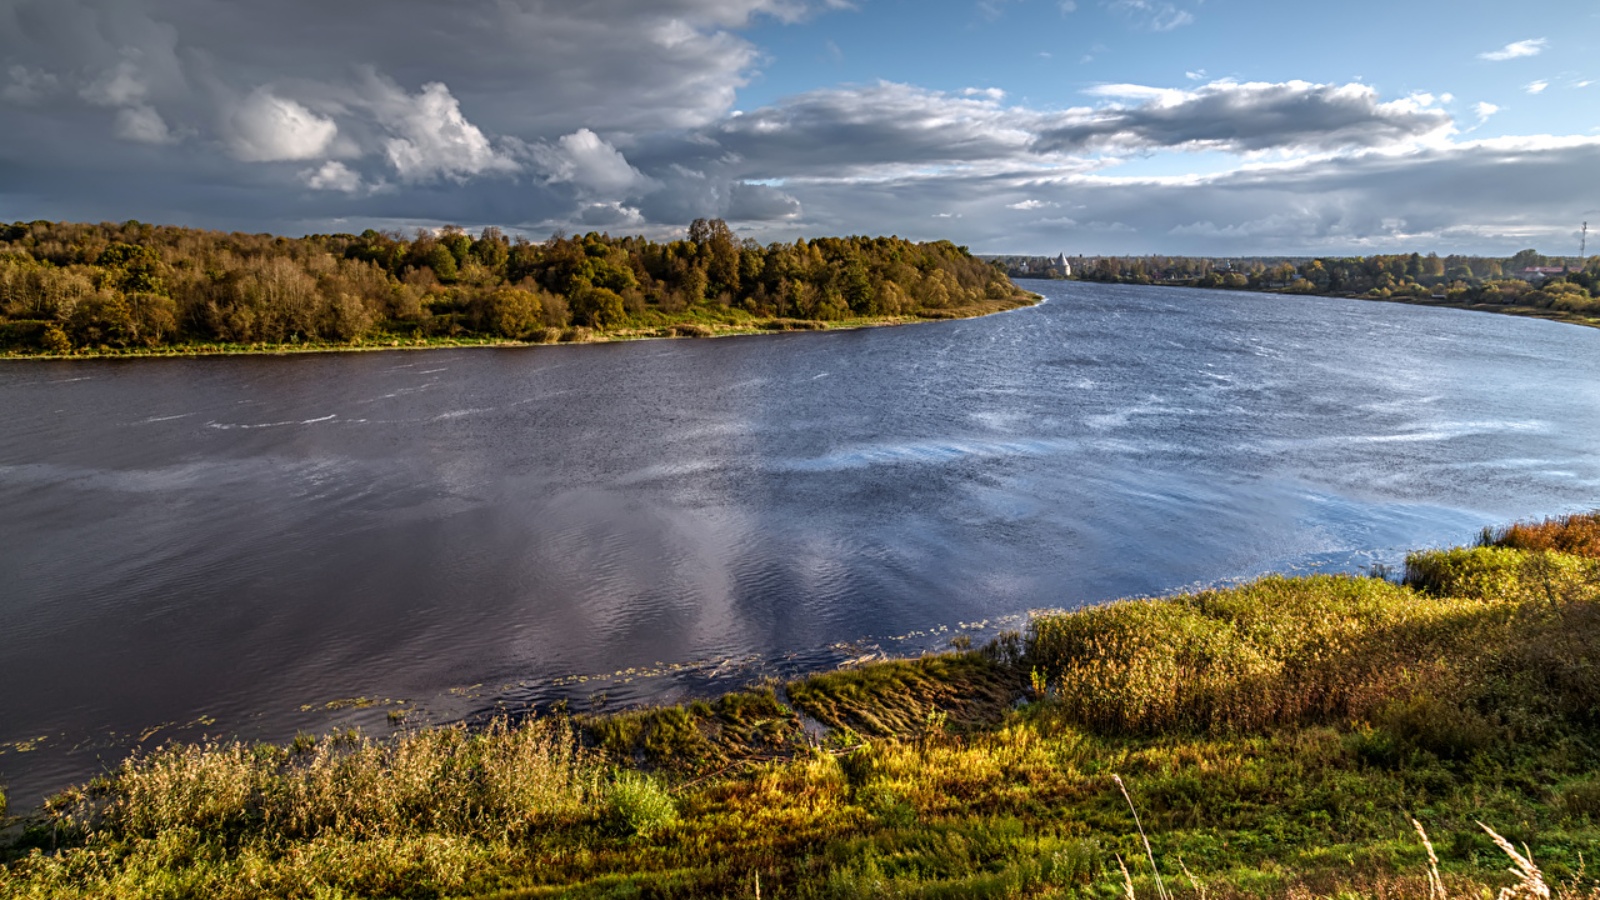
[(502, 780), (1479, 629)]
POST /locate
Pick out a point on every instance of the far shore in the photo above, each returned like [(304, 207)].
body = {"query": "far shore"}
[(1527, 312), (1505, 309), (687, 328)]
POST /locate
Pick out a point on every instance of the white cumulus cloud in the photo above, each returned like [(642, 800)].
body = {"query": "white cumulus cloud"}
[(268, 128), (332, 176), (1516, 49), (586, 160), (430, 136)]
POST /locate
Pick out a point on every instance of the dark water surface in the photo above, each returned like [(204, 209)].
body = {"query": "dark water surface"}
[(226, 546)]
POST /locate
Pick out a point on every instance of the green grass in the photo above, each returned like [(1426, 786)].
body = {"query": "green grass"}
[(1276, 739)]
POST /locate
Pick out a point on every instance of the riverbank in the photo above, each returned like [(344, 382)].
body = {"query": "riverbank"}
[(1279, 738), (699, 323), (1530, 312), (1509, 309)]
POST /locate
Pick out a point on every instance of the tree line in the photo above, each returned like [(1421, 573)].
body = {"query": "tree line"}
[(1526, 278), (65, 286)]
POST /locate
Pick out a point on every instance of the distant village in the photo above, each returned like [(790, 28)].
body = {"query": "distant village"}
[(1037, 266), (1497, 279), (1528, 265)]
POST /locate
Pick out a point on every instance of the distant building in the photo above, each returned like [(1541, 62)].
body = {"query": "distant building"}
[(1540, 273), (1060, 266)]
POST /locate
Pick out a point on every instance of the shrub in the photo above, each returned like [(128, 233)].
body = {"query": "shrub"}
[(1499, 573), (1480, 572), (1577, 534), (1516, 637), (1446, 730), (639, 805), (1279, 651)]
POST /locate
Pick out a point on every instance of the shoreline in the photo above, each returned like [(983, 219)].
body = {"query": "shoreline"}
[(1505, 309), (1525, 312), (1244, 725), (685, 329)]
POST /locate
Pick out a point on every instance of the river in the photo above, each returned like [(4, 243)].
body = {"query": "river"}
[(247, 545)]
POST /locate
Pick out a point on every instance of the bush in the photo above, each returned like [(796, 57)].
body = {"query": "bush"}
[(1582, 798), (1480, 572), (1515, 634), (1279, 651), (1497, 573), (24, 333), (1444, 729), (639, 805), (1578, 535)]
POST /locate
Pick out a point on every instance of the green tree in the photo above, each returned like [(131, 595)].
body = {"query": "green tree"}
[(491, 249), (511, 312), (598, 307), (1524, 259), (442, 262)]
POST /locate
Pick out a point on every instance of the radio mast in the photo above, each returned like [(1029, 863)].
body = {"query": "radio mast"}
[(1583, 244)]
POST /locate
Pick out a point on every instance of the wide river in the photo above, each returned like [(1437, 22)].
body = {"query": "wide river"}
[(242, 546)]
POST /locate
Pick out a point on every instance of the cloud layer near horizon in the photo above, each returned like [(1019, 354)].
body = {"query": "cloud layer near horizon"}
[(535, 115)]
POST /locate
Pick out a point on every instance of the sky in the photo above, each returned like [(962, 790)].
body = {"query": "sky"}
[(1205, 127)]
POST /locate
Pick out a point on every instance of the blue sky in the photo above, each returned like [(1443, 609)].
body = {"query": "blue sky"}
[(1027, 126), (1044, 57)]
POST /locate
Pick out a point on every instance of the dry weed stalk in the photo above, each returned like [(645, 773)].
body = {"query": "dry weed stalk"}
[(1435, 883), (1530, 881), (1127, 880), (1199, 888), (1161, 887)]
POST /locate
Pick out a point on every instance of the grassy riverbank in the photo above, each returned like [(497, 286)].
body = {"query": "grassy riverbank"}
[(1570, 317), (1275, 739)]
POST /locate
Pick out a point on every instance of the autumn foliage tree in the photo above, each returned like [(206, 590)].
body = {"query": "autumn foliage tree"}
[(134, 285)]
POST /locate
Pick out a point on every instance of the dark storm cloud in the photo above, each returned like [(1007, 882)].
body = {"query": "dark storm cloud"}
[(358, 107), (857, 130), (310, 115), (882, 124), (1246, 117), (531, 64), (1500, 195)]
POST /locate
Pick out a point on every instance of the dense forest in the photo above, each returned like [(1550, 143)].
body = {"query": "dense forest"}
[(84, 288), (1526, 279)]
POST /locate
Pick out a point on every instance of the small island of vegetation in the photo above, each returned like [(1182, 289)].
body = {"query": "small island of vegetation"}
[(78, 290), (1326, 736)]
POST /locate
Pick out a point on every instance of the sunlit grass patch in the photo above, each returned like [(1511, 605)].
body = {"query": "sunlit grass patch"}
[(699, 736), (906, 697)]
